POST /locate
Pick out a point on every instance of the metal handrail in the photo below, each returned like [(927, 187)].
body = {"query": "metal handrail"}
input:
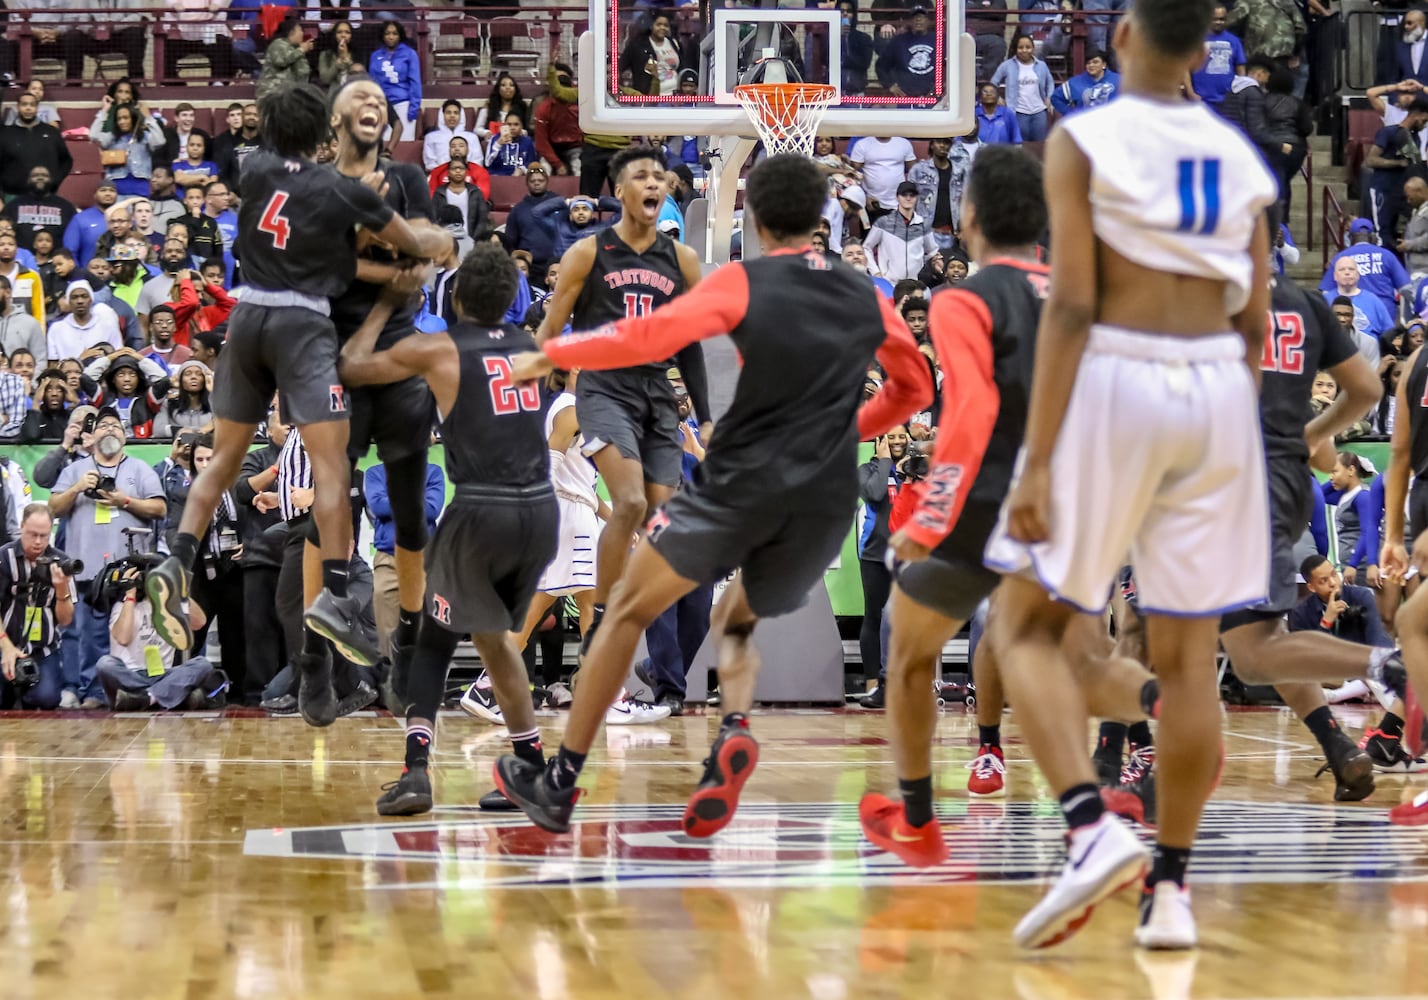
[(1336, 225)]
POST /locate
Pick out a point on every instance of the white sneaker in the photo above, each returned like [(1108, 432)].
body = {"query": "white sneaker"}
[(1166, 922), (68, 699), (481, 702), (628, 712), (559, 695), (1101, 860)]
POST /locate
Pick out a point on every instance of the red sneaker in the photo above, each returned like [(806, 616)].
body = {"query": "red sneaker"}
[(988, 768), (731, 761), (1411, 813), (885, 825)]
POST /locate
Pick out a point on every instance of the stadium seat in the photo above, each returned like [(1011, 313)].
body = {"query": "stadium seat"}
[(566, 187), (506, 191)]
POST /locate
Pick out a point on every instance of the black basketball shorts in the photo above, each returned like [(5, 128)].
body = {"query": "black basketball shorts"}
[(782, 553), (397, 418), (485, 560), (284, 349), (1291, 496), (634, 411), (952, 580)]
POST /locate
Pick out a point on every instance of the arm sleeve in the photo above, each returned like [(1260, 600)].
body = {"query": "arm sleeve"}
[(542, 134), (374, 486), (252, 465), (716, 305), (187, 305), (962, 334), (48, 469), (1397, 273), (696, 380), (1319, 524), (413, 85), (1061, 99), (64, 157), (367, 207), (435, 491), (907, 387), (549, 208), (1370, 516)]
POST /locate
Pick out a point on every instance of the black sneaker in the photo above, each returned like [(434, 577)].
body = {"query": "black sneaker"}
[(1388, 755), (712, 699), (167, 588), (731, 761), (877, 698), (494, 801), (525, 785), (338, 620), (362, 696), (130, 701), (1134, 801), (1108, 764), (316, 699), (409, 795), (673, 702), (1352, 767)]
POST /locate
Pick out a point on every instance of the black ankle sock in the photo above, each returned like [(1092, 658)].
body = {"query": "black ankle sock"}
[(527, 747), (566, 770), (1140, 736), (334, 576), (1149, 695), (1322, 724), (1168, 864), (418, 746), (1391, 726), (185, 549), (1081, 805), (734, 719), (989, 735), (406, 630), (1112, 737), (312, 643), (595, 619), (917, 800)]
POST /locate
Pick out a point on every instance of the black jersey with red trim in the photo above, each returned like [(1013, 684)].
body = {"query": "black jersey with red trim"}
[(495, 434), (806, 330), (984, 332), (297, 226), (624, 283), (1417, 414), (1303, 339), (409, 195)]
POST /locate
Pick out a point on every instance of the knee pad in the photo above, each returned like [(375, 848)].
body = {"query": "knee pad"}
[(406, 491)]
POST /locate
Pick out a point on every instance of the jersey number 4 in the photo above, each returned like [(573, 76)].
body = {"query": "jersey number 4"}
[(506, 396), (274, 222), (1284, 344), (1199, 196)]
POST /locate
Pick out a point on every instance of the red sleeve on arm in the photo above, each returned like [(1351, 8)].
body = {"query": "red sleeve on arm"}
[(716, 305), (961, 328), (904, 505), (184, 309), (907, 388)]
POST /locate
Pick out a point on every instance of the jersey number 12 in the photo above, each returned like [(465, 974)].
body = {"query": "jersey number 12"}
[(1199, 196), (1284, 344), (506, 396), (274, 222)]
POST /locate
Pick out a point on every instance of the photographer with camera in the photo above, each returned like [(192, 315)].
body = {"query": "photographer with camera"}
[(75, 444), (100, 496), (36, 601), (880, 481), (138, 671)]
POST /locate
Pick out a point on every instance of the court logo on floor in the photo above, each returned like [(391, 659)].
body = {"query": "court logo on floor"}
[(821, 844)]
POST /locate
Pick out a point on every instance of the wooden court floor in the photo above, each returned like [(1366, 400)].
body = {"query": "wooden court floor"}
[(187, 858)]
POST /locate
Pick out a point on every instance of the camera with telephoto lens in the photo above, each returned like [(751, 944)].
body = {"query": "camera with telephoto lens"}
[(27, 673), (1353, 616), (106, 484), (67, 566), (916, 465)]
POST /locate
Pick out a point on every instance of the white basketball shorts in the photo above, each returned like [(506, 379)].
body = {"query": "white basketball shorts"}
[(1159, 463), (573, 568)]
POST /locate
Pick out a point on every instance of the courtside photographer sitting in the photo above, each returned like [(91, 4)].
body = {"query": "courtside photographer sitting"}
[(36, 601), (1333, 606), (139, 672)]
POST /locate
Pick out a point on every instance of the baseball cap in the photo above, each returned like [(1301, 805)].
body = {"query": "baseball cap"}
[(855, 194), (1361, 225), (917, 8), (906, 187), (107, 184), (105, 413), (122, 252)]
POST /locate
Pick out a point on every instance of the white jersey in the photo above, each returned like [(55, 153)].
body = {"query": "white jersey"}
[(1175, 187), (571, 473)]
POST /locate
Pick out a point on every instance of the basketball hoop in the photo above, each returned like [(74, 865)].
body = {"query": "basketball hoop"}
[(786, 114)]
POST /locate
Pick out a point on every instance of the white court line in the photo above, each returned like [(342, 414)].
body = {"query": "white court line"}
[(457, 757)]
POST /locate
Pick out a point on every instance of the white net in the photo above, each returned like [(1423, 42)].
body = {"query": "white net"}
[(786, 114)]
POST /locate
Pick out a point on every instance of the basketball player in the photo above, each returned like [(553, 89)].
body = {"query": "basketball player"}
[(1139, 440), (1409, 457), (984, 334), (499, 532), (397, 418), (779, 514), (628, 417), (298, 224)]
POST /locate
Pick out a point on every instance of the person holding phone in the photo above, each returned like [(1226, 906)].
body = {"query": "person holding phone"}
[(880, 480)]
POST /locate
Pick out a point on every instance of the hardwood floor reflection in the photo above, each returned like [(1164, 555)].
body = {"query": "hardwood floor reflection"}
[(206, 857)]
